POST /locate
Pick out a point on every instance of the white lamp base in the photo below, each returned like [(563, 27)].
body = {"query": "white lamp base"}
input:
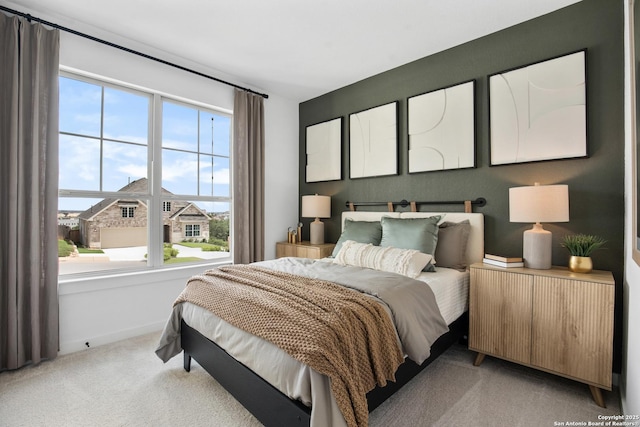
[(536, 248), (317, 232)]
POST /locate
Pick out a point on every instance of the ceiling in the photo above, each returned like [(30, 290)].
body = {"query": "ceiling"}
[(297, 49)]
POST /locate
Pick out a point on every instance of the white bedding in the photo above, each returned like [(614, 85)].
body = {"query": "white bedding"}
[(295, 379), (451, 288)]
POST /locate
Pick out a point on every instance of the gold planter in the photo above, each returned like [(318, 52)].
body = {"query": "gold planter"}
[(580, 264)]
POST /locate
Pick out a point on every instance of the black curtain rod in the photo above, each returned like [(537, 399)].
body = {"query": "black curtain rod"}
[(480, 201), (126, 49)]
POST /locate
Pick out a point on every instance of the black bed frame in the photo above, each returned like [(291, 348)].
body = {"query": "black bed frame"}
[(267, 403)]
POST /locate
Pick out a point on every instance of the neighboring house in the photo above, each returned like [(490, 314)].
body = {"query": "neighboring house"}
[(121, 223), (67, 219)]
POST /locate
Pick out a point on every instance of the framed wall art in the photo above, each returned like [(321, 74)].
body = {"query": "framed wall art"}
[(441, 127), (324, 151), (373, 141), (539, 112)]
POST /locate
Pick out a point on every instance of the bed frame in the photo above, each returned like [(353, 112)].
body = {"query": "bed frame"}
[(270, 406), (273, 408)]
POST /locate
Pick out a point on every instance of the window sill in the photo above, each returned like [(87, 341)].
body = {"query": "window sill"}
[(100, 280)]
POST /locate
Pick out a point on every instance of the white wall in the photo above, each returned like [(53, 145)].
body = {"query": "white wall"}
[(107, 309), (630, 381), (281, 189)]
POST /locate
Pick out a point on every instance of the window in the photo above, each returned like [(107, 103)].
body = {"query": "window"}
[(127, 212), (195, 151), (109, 158), (104, 137), (192, 230)]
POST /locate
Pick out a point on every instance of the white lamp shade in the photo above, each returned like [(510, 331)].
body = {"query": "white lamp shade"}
[(316, 206), (539, 203)]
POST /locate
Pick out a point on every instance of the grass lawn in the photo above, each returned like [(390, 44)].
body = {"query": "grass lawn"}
[(179, 260), (195, 244), (205, 246), (90, 251), (64, 249)]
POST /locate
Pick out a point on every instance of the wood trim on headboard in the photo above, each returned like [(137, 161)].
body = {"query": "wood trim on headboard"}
[(468, 204)]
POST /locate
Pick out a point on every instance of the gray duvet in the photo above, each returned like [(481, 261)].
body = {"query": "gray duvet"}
[(410, 303)]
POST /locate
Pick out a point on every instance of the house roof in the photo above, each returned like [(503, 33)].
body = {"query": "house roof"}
[(181, 213), (139, 185)]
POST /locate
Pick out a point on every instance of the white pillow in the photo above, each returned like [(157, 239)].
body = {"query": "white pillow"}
[(408, 262)]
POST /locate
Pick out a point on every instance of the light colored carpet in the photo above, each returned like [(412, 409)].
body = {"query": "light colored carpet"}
[(125, 384)]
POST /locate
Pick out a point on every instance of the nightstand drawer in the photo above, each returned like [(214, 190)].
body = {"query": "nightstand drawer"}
[(572, 329), (304, 250), (500, 314)]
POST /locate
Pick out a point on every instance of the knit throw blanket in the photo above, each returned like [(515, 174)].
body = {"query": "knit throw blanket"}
[(336, 331)]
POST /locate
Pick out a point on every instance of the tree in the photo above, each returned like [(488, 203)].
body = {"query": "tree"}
[(219, 229)]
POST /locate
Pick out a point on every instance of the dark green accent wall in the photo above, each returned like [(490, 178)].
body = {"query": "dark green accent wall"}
[(596, 183)]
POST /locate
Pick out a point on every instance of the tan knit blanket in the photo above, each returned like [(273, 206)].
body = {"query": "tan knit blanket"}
[(334, 330)]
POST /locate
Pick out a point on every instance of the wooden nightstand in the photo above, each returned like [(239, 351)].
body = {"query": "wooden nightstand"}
[(553, 320), (304, 250)]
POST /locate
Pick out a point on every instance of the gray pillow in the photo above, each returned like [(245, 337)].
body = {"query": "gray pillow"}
[(411, 233), (359, 231), (451, 251)]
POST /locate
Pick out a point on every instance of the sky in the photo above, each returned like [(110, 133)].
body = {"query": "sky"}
[(195, 148)]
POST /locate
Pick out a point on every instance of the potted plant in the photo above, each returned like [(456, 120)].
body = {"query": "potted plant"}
[(580, 246)]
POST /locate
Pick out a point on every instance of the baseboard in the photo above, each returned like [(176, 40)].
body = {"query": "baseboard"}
[(75, 346)]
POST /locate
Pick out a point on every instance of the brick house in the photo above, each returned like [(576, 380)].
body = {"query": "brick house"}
[(121, 223)]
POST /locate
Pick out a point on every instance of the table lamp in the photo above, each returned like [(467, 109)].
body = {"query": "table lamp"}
[(316, 207), (538, 203)]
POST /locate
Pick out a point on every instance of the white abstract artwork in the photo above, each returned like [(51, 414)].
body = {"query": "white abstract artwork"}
[(442, 129), (373, 142), (324, 151), (539, 112)]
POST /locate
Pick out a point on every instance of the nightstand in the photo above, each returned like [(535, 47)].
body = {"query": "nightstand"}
[(304, 250), (553, 320)]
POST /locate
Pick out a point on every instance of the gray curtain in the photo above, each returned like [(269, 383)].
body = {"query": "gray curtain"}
[(248, 177), (28, 192)]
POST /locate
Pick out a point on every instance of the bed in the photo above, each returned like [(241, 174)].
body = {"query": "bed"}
[(281, 391)]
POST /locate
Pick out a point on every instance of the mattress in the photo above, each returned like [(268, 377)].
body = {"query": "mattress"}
[(451, 289), (295, 379)]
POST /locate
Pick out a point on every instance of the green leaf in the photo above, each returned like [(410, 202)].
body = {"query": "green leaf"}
[(582, 244)]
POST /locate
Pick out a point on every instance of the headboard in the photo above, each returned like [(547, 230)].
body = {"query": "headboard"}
[(475, 249)]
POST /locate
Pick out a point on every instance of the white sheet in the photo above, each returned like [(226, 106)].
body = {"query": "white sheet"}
[(451, 288), (295, 379)]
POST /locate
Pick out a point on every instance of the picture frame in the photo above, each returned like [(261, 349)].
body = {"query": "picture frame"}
[(539, 112), (373, 141), (324, 151), (441, 129)]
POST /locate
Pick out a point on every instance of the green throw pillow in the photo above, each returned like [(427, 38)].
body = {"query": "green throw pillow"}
[(411, 233), (359, 231)]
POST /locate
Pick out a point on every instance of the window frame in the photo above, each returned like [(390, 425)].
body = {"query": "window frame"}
[(129, 212), (189, 230), (153, 197)]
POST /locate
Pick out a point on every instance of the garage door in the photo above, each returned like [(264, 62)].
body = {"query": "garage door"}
[(123, 237)]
